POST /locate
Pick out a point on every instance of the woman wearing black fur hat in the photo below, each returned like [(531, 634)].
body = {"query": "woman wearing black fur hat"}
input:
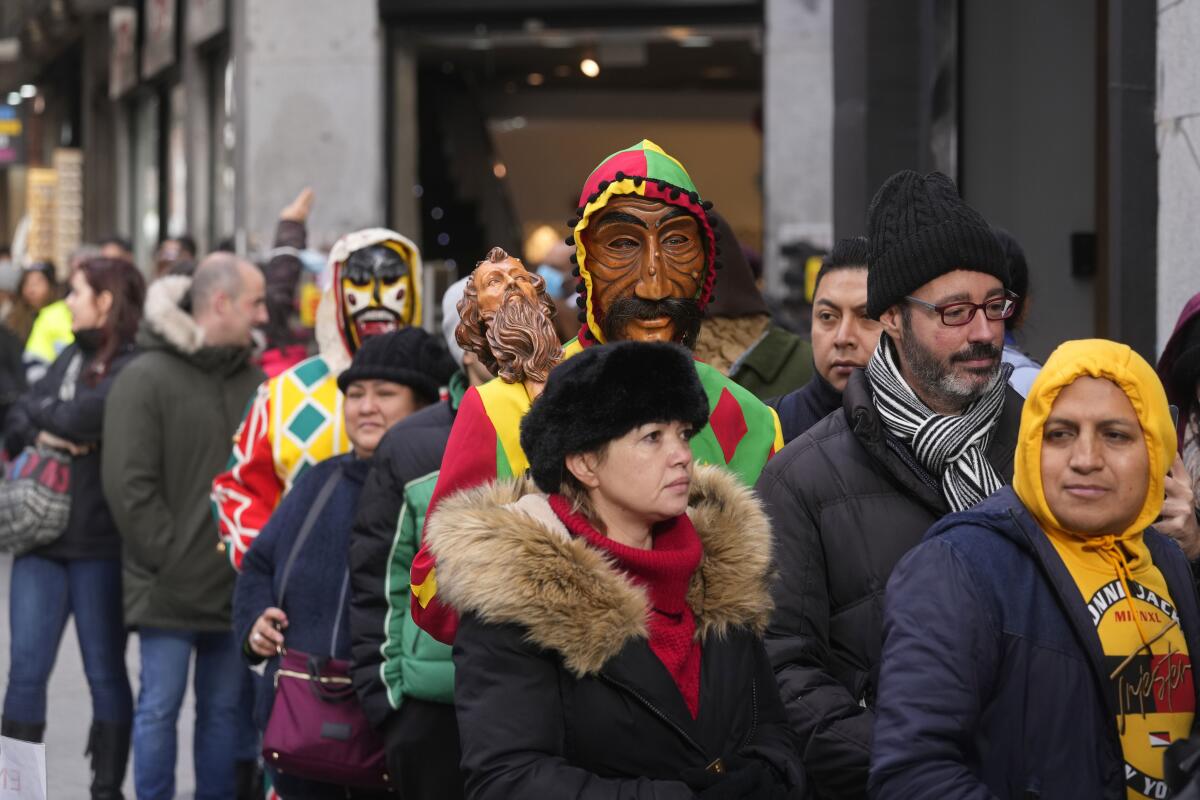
[(610, 637)]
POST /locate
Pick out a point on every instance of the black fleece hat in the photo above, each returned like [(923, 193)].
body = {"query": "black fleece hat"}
[(920, 229), (603, 393), (409, 356)]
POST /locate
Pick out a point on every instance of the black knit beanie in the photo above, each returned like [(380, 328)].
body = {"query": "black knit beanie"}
[(409, 356), (920, 229), (602, 394)]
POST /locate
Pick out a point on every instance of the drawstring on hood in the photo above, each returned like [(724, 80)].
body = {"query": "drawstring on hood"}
[(1125, 551)]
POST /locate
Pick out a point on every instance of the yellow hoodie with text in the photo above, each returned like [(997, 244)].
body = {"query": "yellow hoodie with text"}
[(1146, 657)]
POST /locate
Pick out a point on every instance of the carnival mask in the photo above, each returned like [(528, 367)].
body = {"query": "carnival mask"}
[(507, 320), (376, 292), (646, 259)]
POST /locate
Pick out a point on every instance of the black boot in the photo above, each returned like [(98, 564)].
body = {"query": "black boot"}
[(25, 731), (249, 781), (108, 745)]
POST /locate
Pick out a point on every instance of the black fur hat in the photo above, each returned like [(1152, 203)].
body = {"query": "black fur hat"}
[(603, 393)]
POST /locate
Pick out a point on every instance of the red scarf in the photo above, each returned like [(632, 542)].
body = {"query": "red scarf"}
[(664, 572)]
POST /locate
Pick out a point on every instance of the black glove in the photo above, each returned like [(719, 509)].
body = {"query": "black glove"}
[(742, 778)]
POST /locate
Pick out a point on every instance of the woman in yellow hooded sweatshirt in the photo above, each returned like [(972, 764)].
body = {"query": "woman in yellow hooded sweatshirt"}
[(1039, 644)]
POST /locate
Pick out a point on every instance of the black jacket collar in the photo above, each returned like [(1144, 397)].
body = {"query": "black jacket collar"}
[(897, 459)]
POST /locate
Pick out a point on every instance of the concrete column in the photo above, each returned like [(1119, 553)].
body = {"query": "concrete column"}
[(798, 129), (1178, 139), (310, 103)]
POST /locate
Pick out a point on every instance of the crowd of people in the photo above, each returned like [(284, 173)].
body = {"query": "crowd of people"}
[(672, 551)]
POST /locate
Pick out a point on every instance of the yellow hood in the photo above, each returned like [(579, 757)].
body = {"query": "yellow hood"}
[(1096, 358)]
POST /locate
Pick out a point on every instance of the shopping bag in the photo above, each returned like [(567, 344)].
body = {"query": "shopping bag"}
[(22, 770)]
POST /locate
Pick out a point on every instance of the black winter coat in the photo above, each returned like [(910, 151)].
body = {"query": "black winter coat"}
[(410, 450), (846, 502), (557, 691), (90, 531), (801, 409)]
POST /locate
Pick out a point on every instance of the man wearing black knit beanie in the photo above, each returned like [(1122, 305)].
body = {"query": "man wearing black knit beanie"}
[(929, 427)]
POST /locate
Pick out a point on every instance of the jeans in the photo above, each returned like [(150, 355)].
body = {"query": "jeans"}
[(43, 592), (166, 655)]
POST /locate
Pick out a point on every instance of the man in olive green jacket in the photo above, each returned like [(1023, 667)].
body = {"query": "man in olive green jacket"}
[(167, 426)]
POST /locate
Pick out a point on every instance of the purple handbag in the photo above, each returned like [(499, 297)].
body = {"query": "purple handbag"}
[(317, 729)]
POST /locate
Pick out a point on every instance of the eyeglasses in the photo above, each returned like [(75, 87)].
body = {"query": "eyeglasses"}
[(958, 314)]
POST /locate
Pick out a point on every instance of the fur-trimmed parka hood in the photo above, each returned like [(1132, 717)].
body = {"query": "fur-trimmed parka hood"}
[(504, 555), (165, 317), (166, 325)]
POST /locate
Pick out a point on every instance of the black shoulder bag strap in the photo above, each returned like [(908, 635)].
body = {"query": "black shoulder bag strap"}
[(310, 519)]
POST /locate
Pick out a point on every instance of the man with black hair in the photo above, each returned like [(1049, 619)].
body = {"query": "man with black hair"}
[(117, 247), (843, 337), (928, 427)]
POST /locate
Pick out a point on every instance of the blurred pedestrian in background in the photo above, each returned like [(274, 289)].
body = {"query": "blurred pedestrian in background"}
[(738, 336), (1025, 369), (1179, 371), (79, 574), (50, 330), (167, 429)]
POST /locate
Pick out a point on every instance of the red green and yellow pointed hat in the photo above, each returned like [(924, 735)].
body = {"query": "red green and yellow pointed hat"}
[(648, 171)]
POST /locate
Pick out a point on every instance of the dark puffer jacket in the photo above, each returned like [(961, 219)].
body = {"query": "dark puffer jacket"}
[(846, 502), (557, 690), (1009, 695), (90, 531)]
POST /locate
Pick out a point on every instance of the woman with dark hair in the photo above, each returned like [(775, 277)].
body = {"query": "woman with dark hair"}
[(610, 643), (79, 573)]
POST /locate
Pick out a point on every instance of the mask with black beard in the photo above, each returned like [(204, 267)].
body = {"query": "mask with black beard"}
[(940, 378), (683, 312), (523, 341)]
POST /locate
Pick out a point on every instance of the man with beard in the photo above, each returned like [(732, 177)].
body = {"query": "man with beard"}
[(645, 253), (929, 427), (295, 420)]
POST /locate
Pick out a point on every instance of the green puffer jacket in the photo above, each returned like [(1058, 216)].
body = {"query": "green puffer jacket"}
[(168, 424), (414, 663)]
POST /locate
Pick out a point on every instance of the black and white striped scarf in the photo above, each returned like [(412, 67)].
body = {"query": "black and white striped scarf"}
[(951, 448)]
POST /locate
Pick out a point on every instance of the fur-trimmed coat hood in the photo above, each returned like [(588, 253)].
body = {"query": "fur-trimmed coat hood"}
[(503, 555), (166, 318), (167, 325)]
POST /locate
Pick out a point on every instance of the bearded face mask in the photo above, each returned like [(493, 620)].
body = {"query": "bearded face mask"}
[(376, 292)]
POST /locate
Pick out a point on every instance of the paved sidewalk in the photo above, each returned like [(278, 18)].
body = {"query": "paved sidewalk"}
[(67, 772)]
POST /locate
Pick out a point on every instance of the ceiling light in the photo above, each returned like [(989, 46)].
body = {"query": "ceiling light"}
[(499, 170), (535, 79), (589, 67), (28, 90), (14, 99)]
